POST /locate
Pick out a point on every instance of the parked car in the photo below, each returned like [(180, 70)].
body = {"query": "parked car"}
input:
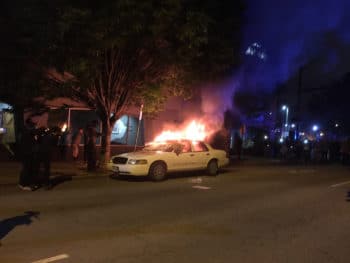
[(159, 158)]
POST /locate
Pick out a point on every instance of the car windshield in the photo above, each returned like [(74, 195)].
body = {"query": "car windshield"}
[(163, 147)]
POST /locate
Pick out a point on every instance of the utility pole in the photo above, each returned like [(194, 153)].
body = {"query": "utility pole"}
[(299, 91), (138, 127)]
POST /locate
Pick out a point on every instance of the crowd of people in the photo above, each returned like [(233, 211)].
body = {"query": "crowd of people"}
[(315, 151), (37, 146)]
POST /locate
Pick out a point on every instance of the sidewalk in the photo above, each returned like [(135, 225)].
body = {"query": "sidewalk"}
[(9, 171)]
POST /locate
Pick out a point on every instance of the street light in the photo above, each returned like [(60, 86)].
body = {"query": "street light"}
[(315, 128), (286, 109)]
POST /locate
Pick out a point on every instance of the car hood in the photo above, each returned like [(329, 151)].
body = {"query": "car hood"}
[(140, 154)]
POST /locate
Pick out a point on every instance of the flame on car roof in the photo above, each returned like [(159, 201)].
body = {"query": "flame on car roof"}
[(194, 131)]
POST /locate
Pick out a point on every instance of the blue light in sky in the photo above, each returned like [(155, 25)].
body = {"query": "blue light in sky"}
[(255, 49)]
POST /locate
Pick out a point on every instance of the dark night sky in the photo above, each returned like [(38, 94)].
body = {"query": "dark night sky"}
[(293, 32)]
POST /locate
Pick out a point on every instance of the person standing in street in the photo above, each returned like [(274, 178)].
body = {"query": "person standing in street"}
[(75, 143), (85, 139), (47, 142), (63, 143), (28, 149)]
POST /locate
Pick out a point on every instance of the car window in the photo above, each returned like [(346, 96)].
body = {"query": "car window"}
[(186, 147), (199, 147), (163, 147)]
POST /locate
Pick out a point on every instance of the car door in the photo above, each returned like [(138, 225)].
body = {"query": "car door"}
[(184, 159), (200, 155)]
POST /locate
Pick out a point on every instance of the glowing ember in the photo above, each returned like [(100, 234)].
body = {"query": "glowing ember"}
[(194, 131)]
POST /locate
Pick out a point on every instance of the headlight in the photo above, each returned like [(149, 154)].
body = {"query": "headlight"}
[(133, 161)]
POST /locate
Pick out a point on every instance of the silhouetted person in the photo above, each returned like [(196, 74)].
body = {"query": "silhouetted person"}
[(345, 151), (91, 150), (76, 142), (299, 150), (323, 148), (238, 145), (63, 144), (221, 140), (307, 152), (47, 142), (284, 151), (85, 138), (28, 148)]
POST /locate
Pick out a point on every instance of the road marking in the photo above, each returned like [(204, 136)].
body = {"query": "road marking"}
[(51, 259), (197, 180), (201, 187), (340, 184), (302, 171)]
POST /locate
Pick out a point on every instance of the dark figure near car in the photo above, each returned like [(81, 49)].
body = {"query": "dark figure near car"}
[(28, 151)]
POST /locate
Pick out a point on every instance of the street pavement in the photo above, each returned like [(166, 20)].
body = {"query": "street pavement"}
[(9, 171), (253, 211)]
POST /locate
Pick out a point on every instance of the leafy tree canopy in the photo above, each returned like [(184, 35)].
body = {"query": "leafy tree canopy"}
[(128, 52), (153, 47), (115, 53)]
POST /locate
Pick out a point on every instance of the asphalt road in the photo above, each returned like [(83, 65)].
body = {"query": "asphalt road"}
[(259, 213)]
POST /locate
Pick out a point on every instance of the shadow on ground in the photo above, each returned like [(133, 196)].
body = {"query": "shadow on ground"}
[(59, 179), (129, 178), (169, 176), (8, 224)]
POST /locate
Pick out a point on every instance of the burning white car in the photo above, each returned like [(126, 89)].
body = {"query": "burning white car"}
[(159, 158)]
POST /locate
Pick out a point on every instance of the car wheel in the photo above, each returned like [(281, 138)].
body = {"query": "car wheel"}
[(157, 171), (213, 168)]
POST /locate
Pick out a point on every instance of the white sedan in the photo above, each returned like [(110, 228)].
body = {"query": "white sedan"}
[(157, 159)]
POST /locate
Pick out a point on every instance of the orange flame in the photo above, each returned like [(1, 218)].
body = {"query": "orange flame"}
[(195, 131), (64, 127)]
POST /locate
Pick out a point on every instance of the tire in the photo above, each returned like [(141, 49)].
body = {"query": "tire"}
[(157, 171), (213, 168)]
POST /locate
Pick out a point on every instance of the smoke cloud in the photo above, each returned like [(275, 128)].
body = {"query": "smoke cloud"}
[(290, 34)]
